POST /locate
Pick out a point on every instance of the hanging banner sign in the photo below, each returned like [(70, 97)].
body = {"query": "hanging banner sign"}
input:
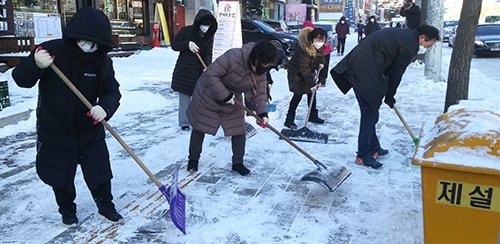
[(228, 34)]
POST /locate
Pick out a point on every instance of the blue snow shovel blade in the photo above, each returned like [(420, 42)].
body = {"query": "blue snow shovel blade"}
[(177, 201)]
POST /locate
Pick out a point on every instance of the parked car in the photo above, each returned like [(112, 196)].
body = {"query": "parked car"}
[(278, 25), (448, 26), (329, 27), (487, 39), (255, 30)]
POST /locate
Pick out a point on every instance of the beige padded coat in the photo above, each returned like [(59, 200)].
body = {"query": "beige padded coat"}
[(230, 73)]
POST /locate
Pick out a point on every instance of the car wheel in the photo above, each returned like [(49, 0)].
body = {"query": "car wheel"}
[(277, 44)]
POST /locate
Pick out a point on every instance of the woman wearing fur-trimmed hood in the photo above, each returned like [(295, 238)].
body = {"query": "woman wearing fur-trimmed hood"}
[(302, 70)]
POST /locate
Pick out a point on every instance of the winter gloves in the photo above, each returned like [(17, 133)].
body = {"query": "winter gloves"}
[(193, 47), (43, 58), (230, 99), (390, 101), (262, 123), (97, 113)]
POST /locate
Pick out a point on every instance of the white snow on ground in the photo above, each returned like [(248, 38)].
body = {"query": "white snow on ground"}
[(271, 205)]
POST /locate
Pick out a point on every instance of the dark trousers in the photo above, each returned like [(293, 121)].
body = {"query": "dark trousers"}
[(323, 74), (341, 45), (196, 143), (360, 37), (367, 138), (101, 194), (294, 103)]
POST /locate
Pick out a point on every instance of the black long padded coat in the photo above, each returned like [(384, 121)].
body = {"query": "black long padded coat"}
[(376, 65), (66, 136), (188, 67)]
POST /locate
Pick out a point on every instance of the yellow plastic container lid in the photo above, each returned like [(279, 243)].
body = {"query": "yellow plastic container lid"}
[(467, 136)]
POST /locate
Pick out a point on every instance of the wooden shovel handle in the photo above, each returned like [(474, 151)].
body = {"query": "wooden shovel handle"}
[(277, 132), (110, 129), (201, 60), (404, 122)]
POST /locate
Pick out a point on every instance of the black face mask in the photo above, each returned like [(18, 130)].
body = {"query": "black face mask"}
[(261, 70)]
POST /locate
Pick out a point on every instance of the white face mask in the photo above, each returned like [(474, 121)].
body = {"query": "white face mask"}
[(372, 20), (87, 46), (342, 22), (204, 28), (318, 45), (422, 50)]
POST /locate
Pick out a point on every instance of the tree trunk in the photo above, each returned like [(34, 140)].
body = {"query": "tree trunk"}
[(463, 48), (434, 54)]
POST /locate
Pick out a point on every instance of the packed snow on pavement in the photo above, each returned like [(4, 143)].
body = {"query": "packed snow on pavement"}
[(271, 205)]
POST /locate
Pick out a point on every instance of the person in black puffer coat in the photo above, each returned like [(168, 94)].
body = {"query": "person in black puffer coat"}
[(192, 39), (68, 133)]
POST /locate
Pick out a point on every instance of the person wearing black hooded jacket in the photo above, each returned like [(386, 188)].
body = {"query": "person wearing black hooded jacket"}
[(374, 69), (192, 39), (68, 133)]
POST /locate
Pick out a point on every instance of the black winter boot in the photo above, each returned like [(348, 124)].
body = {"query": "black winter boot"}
[(69, 217), (104, 201), (289, 122), (240, 168), (192, 165), (314, 118)]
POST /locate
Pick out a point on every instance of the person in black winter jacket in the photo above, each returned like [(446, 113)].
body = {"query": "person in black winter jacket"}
[(192, 39), (374, 69), (68, 133), (342, 30), (371, 26), (412, 13)]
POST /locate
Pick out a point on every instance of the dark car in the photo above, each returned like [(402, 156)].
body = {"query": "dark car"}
[(255, 30), (278, 25), (487, 39)]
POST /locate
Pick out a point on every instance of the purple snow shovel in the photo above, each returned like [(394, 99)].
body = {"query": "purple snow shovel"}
[(330, 179), (174, 196)]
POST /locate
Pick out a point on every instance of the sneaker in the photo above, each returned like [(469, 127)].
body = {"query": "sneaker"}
[(192, 165), (291, 125), (380, 152), (368, 162), (240, 168), (69, 217), (110, 214)]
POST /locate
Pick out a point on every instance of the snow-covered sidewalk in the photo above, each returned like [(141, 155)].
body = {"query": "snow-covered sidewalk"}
[(271, 205)]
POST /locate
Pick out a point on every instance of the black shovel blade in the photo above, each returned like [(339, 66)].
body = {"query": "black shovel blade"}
[(328, 178), (306, 135), (251, 131)]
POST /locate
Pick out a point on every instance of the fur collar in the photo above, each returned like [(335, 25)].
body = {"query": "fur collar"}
[(304, 41)]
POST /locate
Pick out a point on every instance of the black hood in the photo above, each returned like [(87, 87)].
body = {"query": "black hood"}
[(205, 16), (92, 25)]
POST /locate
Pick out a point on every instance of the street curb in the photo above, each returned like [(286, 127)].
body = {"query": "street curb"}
[(15, 118)]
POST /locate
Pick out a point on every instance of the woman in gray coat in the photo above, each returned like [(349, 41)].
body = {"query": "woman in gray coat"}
[(213, 104)]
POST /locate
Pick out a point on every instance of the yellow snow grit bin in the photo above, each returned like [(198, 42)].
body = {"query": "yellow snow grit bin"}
[(460, 165)]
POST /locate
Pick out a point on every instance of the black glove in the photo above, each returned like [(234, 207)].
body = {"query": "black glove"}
[(390, 101)]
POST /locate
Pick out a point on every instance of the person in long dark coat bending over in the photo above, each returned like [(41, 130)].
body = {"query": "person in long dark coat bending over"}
[(374, 69), (237, 71), (68, 133)]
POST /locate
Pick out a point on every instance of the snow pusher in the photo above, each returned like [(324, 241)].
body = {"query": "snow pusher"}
[(305, 134), (174, 196), (330, 179)]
